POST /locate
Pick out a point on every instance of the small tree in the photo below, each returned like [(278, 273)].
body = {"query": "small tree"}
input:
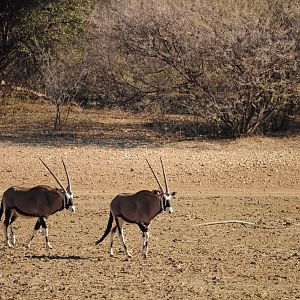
[(61, 79)]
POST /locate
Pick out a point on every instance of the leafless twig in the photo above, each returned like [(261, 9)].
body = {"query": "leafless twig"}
[(226, 222)]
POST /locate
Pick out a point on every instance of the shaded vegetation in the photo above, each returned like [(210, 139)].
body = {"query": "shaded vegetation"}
[(230, 69), (31, 123)]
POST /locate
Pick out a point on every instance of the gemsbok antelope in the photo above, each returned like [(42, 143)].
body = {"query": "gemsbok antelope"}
[(139, 208), (38, 202)]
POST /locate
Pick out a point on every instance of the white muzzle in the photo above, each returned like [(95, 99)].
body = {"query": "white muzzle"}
[(169, 210), (71, 209)]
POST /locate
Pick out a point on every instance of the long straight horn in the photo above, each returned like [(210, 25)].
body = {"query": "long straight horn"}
[(53, 175), (166, 182), (154, 175), (67, 174)]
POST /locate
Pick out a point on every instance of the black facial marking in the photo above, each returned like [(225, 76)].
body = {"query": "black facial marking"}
[(66, 202)]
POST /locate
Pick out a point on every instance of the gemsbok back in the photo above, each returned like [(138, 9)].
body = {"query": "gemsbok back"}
[(38, 202), (139, 208)]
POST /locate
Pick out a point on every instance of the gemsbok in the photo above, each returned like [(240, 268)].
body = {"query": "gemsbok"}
[(139, 208), (38, 202)]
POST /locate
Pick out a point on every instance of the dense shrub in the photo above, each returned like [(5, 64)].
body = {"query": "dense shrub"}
[(236, 65), (233, 64)]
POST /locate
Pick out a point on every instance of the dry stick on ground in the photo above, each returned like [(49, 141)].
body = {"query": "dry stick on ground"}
[(226, 222)]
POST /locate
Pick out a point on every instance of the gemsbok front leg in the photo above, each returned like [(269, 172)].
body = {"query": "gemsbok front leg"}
[(44, 225), (35, 230), (40, 222), (145, 230)]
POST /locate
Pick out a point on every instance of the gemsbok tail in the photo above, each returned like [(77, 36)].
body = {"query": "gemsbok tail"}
[(107, 230)]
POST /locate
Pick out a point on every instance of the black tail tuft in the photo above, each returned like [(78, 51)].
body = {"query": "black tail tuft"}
[(107, 230)]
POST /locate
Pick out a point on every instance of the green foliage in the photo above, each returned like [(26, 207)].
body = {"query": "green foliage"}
[(56, 23), (32, 27)]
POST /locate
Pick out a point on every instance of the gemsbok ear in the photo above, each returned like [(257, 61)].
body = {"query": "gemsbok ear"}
[(156, 192)]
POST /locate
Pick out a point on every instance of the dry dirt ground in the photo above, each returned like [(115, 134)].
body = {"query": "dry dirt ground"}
[(251, 179)]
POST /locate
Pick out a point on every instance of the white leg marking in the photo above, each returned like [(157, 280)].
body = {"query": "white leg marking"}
[(48, 245), (112, 233), (143, 238), (31, 238), (13, 237), (7, 241), (145, 244)]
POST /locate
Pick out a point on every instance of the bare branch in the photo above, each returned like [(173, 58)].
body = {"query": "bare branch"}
[(226, 222)]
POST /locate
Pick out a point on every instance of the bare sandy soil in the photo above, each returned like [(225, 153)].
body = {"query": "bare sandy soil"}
[(256, 180)]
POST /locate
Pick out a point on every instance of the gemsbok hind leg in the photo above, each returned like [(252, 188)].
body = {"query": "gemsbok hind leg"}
[(6, 225), (35, 230), (112, 233), (12, 235), (119, 223)]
